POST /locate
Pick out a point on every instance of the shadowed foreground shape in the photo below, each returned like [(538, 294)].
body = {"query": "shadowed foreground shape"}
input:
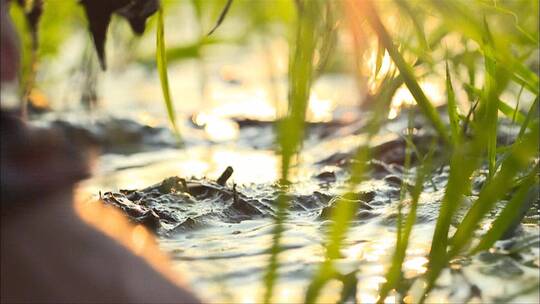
[(48, 253)]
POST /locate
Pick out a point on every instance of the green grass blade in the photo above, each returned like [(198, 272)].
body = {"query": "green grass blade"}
[(328, 38), (519, 158), (291, 128), (452, 109), (416, 21), (489, 102), (459, 17), (465, 159), (531, 115), (344, 211), (273, 264), (510, 212), (161, 60), (516, 109), (379, 59), (402, 243), (222, 16), (405, 69), (504, 107), (509, 112)]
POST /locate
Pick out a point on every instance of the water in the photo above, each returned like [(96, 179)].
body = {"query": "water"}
[(224, 260)]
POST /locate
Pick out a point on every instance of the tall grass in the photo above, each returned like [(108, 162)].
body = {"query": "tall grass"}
[(393, 275), (161, 60), (468, 152), (291, 127), (498, 38), (372, 16)]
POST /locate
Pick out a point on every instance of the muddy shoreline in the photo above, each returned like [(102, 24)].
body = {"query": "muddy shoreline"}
[(196, 218)]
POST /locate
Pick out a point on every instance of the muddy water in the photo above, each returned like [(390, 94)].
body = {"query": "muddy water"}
[(222, 247)]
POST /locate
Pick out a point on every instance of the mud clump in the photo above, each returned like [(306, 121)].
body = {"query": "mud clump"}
[(179, 203)]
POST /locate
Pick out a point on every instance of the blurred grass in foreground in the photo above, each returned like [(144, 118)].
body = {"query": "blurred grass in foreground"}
[(484, 53)]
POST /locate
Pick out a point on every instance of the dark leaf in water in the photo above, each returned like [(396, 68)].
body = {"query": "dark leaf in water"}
[(99, 14)]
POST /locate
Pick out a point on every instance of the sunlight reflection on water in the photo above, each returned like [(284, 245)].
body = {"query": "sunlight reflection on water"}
[(143, 169)]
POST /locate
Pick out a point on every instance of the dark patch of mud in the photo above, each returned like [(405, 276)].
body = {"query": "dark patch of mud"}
[(112, 135), (126, 136), (179, 203), (191, 212)]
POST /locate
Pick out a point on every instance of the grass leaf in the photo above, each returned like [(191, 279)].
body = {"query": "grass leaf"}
[(504, 107), (452, 109), (518, 159), (221, 16), (508, 216), (489, 102), (531, 115), (393, 274), (405, 69), (291, 128), (161, 60)]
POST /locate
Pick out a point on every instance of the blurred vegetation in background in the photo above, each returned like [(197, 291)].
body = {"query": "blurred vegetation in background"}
[(483, 52)]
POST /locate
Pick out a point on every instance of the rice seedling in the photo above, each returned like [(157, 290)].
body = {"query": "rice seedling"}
[(221, 16), (161, 60), (472, 138), (518, 160), (488, 68), (510, 214), (452, 110), (532, 117), (291, 128), (393, 275), (344, 210), (374, 20)]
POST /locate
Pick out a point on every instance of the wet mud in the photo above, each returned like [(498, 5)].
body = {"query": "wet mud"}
[(218, 229)]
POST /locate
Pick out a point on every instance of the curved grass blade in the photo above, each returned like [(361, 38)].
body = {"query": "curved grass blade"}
[(459, 17), (458, 182), (416, 21), (508, 216), (405, 69), (291, 128), (394, 272), (161, 59), (522, 152), (344, 210), (504, 107), (452, 109), (221, 17), (532, 114), (488, 111)]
